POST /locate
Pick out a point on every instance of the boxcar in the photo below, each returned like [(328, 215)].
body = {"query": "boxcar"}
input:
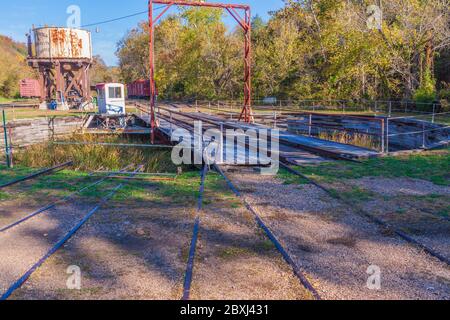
[(139, 89)]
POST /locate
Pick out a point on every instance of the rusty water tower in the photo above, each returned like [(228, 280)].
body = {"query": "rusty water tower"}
[(63, 58)]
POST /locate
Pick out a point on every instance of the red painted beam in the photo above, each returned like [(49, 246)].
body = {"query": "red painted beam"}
[(202, 4)]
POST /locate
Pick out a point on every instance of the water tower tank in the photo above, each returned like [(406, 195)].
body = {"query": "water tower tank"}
[(62, 43)]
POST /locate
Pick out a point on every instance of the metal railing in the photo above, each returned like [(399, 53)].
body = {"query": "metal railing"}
[(343, 106)]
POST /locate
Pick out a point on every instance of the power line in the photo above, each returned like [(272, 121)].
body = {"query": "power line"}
[(120, 18)]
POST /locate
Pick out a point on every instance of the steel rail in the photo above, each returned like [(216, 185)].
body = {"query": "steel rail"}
[(37, 174), (16, 285), (191, 259), (371, 217), (299, 273), (54, 204)]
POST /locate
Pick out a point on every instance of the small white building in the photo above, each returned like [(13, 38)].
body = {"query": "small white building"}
[(111, 98)]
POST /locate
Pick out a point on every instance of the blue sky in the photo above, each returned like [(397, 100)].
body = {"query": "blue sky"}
[(17, 17)]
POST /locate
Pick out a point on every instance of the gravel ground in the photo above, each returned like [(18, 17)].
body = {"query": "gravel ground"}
[(236, 261), (336, 246), (400, 186)]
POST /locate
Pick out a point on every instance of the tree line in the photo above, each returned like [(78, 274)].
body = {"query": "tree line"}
[(13, 67), (310, 49)]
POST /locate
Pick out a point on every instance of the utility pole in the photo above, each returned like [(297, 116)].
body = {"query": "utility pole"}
[(5, 131)]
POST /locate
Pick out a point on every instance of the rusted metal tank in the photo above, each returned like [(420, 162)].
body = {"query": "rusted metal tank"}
[(29, 88), (62, 43)]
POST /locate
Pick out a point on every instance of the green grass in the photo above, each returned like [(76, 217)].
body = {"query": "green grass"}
[(183, 190), (358, 194), (431, 166), (289, 178), (7, 175), (4, 196)]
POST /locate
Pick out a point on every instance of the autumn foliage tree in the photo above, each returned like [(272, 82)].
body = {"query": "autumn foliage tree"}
[(309, 49)]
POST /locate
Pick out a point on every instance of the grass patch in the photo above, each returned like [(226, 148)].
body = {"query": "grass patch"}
[(7, 175), (430, 166), (94, 157), (233, 252), (4, 196), (289, 178), (357, 194)]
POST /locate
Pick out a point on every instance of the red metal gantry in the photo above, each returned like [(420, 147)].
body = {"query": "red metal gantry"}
[(245, 23)]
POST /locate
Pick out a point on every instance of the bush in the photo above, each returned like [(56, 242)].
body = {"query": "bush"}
[(426, 93), (444, 98), (10, 86)]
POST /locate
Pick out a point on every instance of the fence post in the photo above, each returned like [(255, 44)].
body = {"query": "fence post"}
[(387, 135), (383, 147), (5, 131), (171, 128), (434, 113), (310, 125), (423, 136), (390, 109), (221, 145)]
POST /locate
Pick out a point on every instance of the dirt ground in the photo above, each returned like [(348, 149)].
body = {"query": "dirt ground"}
[(337, 247)]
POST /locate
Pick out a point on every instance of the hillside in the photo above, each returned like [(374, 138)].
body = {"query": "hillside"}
[(13, 66)]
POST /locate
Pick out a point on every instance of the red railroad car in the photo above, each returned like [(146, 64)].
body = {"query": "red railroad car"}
[(139, 89), (29, 88)]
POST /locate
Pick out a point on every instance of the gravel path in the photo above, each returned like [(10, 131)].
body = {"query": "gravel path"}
[(336, 246)]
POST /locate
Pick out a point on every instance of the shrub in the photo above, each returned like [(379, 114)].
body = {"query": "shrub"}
[(426, 93)]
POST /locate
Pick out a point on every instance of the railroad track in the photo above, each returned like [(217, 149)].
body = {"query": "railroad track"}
[(20, 281), (433, 253), (298, 272), (38, 174), (54, 204)]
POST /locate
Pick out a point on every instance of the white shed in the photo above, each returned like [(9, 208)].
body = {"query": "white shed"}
[(111, 98)]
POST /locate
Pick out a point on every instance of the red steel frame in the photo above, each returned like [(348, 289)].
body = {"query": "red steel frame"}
[(245, 23)]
